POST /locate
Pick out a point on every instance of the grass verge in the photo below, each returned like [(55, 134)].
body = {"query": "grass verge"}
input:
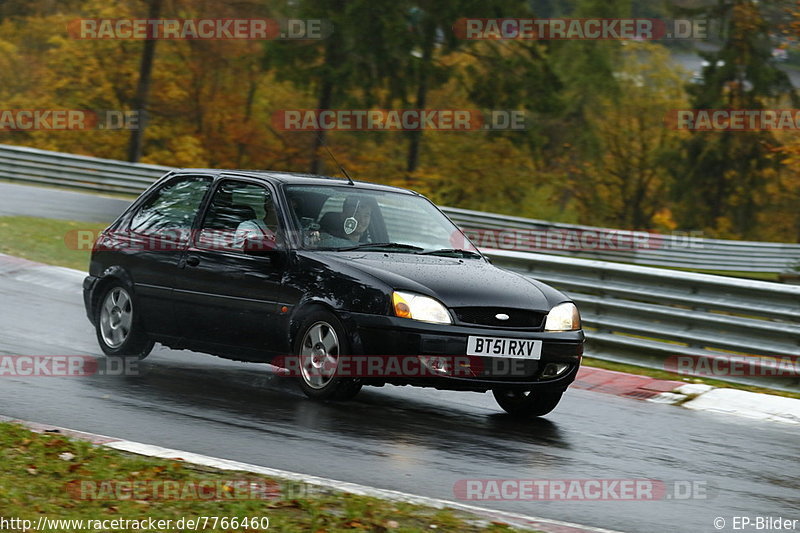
[(48, 474), (45, 240)]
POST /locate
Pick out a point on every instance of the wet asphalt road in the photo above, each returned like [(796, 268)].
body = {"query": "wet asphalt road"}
[(47, 202), (413, 440)]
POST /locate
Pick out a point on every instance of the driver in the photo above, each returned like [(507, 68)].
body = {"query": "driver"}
[(258, 228), (349, 226)]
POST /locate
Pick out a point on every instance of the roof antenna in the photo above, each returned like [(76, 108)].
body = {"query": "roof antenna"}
[(341, 168)]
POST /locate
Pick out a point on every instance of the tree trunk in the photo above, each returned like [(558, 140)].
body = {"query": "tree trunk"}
[(324, 102), (333, 61), (143, 89), (248, 114), (415, 137)]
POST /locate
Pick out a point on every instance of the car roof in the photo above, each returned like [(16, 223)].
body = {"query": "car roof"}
[(295, 178)]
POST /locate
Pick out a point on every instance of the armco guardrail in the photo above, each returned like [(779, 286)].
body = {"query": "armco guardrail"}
[(676, 251), (666, 320), (637, 247), (32, 165)]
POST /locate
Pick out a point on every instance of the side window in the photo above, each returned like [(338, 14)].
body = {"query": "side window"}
[(238, 210), (173, 208)]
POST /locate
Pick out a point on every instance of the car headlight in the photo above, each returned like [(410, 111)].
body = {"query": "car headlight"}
[(418, 307), (563, 317)]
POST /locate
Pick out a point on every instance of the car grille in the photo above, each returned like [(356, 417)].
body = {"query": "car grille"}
[(486, 316)]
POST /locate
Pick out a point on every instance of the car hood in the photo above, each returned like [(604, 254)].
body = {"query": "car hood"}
[(453, 281)]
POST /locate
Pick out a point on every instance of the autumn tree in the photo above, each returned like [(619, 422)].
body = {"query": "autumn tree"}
[(627, 184), (725, 180), (351, 63)]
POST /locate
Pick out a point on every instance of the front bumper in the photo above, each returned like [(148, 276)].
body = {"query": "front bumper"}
[(375, 335)]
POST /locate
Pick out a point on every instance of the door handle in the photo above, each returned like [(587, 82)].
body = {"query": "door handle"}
[(193, 260)]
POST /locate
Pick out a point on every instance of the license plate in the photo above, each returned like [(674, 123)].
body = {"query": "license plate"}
[(504, 347)]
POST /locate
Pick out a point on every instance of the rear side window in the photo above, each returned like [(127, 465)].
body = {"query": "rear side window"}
[(238, 210), (172, 208), (236, 202)]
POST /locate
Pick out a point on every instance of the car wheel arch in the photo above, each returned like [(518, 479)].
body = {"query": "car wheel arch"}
[(302, 309), (312, 304), (109, 276)]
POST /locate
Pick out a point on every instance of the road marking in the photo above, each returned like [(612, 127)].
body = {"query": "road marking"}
[(539, 523)]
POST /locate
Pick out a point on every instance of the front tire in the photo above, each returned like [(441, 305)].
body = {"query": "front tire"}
[(526, 403), (320, 341), (118, 330)]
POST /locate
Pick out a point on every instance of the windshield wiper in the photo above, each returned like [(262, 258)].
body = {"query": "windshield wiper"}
[(394, 245), (451, 251)]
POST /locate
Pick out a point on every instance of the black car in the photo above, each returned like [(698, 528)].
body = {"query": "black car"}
[(337, 283)]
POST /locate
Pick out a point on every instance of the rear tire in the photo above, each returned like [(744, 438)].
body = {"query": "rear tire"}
[(118, 329), (526, 403), (321, 339)]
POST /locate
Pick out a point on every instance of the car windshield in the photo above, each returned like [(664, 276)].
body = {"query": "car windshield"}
[(344, 218)]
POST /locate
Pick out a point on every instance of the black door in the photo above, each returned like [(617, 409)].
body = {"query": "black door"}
[(225, 298), (151, 245)]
